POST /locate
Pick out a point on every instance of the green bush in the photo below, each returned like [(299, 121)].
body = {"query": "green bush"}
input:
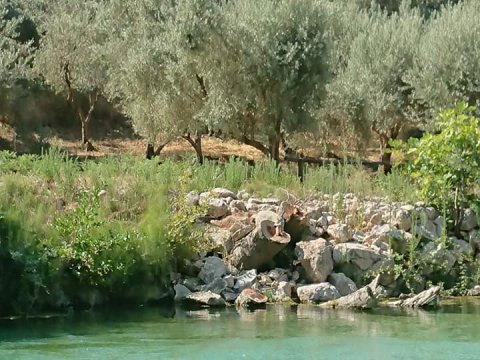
[(446, 165)]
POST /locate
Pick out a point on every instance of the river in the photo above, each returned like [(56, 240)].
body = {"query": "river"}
[(279, 332)]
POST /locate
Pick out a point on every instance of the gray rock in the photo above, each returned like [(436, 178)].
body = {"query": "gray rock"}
[(360, 255), (229, 281), (363, 298), (462, 248), (469, 221), (435, 256), (193, 284), (239, 231), (237, 205), (181, 292), (246, 280), (250, 298), (344, 284), (283, 291), (229, 295), (271, 201), (213, 268), (204, 298), (339, 233), (193, 198), (403, 220), (475, 291), (216, 286), (427, 230), (317, 293), (223, 193), (220, 239), (278, 274), (316, 258), (260, 246), (474, 239), (217, 208)]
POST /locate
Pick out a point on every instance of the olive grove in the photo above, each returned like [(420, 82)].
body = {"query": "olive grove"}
[(262, 73)]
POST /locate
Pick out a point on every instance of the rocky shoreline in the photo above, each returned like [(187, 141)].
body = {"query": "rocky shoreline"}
[(338, 251)]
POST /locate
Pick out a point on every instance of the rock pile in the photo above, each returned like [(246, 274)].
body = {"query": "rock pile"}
[(322, 250)]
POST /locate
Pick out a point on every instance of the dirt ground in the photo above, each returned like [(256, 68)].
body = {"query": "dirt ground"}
[(126, 143)]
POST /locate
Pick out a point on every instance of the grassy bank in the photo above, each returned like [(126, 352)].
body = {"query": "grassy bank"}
[(114, 228)]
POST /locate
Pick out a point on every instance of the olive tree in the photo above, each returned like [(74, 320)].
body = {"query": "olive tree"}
[(71, 56), (15, 55), (371, 91), (265, 69), (447, 69), (157, 78)]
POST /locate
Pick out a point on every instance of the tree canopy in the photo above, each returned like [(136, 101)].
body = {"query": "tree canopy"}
[(261, 72)]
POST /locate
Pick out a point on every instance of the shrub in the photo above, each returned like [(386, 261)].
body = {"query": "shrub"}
[(446, 165)]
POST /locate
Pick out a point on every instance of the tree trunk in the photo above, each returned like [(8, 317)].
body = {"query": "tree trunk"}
[(196, 143), (385, 154), (150, 152), (84, 131), (255, 144), (275, 141)]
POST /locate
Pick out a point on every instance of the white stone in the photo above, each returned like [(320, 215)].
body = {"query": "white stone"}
[(317, 292)]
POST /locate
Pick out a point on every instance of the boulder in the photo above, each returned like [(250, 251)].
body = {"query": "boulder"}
[(250, 299), (363, 298), (462, 248), (474, 239), (229, 281), (216, 286), (246, 280), (339, 233), (238, 205), (260, 246), (315, 293), (316, 259), (223, 193), (360, 255), (220, 239), (469, 221), (403, 219), (344, 284), (192, 283), (475, 291), (204, 298), (435, 256), (181, 292), (229, 295), (212, 269), (427, 230), (217, 208), (283, 291), (278, 274)]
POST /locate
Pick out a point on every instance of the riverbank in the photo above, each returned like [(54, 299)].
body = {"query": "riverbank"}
[(121, 230)]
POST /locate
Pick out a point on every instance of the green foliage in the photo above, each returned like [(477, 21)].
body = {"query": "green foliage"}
[(269, 72), (447, 68), (370, 90), (14, 54), (447, 165), (94, 251)]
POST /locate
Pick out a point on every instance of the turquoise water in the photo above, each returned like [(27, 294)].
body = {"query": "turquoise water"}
[(280, 332)]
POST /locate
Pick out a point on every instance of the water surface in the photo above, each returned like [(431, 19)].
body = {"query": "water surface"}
[(280, 332)]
